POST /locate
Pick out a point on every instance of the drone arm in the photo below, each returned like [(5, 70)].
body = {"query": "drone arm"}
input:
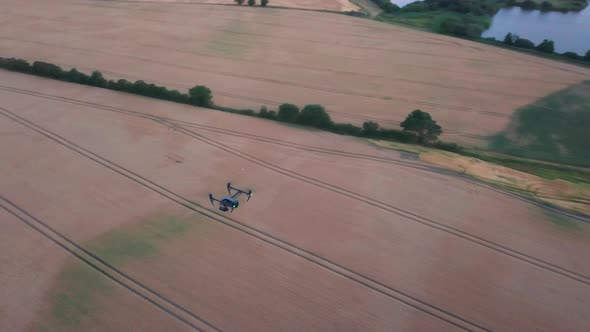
[(238, 191), (213, 199)]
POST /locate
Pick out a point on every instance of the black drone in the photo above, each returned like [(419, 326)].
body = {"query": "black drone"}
[(230, 202)]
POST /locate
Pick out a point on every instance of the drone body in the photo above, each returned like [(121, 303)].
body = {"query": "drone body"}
[(231, 202)]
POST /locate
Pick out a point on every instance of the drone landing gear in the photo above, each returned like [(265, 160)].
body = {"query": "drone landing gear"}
[(223, 208)]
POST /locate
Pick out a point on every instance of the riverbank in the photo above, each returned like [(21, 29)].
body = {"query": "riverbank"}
[(476, 20), (549, 5)]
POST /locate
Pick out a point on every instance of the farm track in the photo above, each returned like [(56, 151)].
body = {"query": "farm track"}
[(98, 264), (270, 239), (359, 197)]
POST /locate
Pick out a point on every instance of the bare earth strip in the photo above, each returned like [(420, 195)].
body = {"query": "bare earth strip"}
[(238, 281), (358, 69)]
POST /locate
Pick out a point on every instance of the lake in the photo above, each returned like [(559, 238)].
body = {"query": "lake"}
[(569, 31), (402, 3)]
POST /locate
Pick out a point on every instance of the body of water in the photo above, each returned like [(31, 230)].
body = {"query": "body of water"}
[(570, 31), (402, 3)]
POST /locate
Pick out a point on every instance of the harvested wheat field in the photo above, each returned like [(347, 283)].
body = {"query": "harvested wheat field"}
[(250, 57), (106, 226), (331, 5)]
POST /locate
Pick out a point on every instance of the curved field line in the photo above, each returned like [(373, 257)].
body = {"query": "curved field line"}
[(517, 56), (373, 202), (361, 279), (278, 82), (417, 166), (106, 269), (289, 65), (348, 46)]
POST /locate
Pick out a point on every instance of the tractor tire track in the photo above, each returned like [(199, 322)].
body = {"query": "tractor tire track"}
[(95, 262), (268, 238), (413, 165), (385, 206)]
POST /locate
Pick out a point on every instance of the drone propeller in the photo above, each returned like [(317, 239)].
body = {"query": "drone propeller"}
[(211, 198)]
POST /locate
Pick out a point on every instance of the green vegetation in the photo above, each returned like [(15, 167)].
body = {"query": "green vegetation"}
[(441, 21), (288, 113), (79, 288), (422, 125), (465, 18), (546, 46), (200, 96), (469, 18), (545, 170), (524, 43), (561, 221), (263, 3), (311, 115), (549, 5), (474, 7), (315, 116), (554, 128)]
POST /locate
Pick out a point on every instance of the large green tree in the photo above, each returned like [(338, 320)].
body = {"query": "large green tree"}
[(370, 128), (546, 46), (509, 39), (263, 3), (587, 56), (288, 113), (315, 116), (422, 124), (200, 96)]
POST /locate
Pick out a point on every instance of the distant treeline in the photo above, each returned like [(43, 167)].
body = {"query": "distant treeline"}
[(475, 7), (545, 6), (418, 128), (546, 46)]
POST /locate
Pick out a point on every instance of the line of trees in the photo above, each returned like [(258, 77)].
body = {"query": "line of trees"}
[(417, 128), (546, 46), (197, 96), (475, 7), (546, 6), (263, 3)]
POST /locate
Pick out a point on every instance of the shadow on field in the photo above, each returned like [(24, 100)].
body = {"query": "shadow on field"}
[(554, 128)]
